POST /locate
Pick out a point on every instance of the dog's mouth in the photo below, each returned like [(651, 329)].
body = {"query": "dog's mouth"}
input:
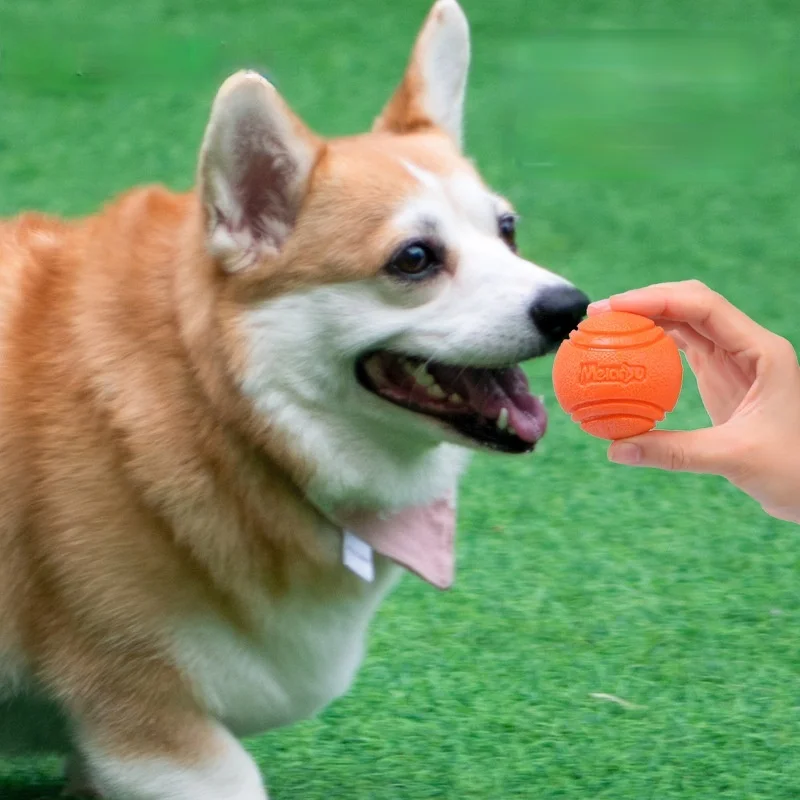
[(491, 407)]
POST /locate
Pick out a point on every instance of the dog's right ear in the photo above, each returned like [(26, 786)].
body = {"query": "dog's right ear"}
[(255, 164)]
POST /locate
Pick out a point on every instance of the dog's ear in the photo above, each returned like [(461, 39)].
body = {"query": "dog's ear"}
[(255, 165), (432, 91)]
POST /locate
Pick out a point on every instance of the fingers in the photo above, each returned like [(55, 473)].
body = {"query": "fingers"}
[(691, 302), (687, 338), (707, 450)]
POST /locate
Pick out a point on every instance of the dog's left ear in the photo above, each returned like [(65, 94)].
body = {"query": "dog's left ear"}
[(432, 91), (255, 165)]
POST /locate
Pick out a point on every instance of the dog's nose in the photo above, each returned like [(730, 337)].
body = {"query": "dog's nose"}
[(558, 310)]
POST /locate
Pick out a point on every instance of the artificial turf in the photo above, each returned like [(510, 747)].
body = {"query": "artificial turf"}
[(641, 142)]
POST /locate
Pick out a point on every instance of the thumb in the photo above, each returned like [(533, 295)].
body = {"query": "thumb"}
[(705, 450)]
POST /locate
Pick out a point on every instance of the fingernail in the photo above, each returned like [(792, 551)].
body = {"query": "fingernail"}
[(599, 306), (625, 453)]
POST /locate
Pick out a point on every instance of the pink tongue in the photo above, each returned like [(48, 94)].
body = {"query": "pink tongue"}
[(489, 397), (528, 428)]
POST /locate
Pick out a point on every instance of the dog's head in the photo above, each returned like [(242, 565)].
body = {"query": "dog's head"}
[(383, 303)]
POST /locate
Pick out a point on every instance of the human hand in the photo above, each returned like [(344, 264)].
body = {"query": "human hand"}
[(749, 380)]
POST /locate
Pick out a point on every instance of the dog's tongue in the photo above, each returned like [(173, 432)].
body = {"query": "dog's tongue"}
[(489, 391)]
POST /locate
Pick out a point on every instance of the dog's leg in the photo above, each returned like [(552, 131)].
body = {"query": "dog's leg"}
[(219, 770)]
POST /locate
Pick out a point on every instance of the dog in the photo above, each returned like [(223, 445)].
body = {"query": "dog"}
[(231, 418)]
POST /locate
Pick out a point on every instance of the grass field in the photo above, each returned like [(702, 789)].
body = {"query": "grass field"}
[(641, 142)]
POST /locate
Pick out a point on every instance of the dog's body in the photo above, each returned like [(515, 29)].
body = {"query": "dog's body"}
[(137, 513), (194, 390)]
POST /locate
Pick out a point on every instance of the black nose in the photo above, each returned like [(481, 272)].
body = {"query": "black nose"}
[(558, 310)]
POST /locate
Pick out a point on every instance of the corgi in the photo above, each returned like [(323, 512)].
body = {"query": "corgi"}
[(231, 418)]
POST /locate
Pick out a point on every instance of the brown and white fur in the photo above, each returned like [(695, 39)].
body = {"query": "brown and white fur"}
[(177, 403)]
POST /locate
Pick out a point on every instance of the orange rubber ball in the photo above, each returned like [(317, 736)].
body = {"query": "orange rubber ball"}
[(617, 375)]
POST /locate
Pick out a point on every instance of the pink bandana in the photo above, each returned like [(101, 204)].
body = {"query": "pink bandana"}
[(419, 539)]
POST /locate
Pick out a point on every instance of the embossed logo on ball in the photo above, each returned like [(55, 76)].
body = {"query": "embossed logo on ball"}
[(620, 373)]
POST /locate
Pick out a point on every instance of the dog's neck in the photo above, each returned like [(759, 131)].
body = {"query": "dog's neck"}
[(356, 471)]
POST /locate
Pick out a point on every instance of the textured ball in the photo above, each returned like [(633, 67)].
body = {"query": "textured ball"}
[(617, 375)]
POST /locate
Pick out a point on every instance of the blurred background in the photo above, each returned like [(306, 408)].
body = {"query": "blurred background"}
[(612, 634)]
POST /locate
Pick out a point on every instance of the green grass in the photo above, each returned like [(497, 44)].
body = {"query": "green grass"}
[(641, 142)]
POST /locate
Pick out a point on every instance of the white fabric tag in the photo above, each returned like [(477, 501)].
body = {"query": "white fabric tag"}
[(357, 557)]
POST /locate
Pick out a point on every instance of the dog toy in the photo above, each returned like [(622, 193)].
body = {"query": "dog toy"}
[(617, 375)]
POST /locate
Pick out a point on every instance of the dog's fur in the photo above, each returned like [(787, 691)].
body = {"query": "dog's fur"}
[(177, 402)]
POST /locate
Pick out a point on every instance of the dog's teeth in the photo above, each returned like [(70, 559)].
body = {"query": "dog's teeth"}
[(511, 430), (436, 392), (408, 368), (502, 420), (456, 400), (374, 370), (423, 377)]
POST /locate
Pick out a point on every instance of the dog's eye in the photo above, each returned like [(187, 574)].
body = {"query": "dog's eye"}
[(507, 227), (415, 260)]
